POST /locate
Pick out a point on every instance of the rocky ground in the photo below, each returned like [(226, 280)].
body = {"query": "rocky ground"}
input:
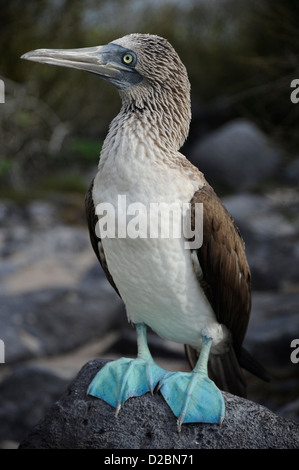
[(58, 311), (79, 421)]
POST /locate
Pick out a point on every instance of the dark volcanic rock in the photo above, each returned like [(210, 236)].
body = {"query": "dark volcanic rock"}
[(26, 394), (81, 421)]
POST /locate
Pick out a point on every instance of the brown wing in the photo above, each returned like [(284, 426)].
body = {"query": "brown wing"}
[(226, 281), (226, 274), (94, 239)]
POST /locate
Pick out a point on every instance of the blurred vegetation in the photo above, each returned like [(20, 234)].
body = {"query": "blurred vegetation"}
[(241, 57)]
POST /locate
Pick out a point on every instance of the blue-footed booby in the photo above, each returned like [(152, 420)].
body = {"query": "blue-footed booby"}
[(199, 296)]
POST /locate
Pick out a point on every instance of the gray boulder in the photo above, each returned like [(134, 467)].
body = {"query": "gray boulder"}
[(237, 155), (54, 321), (291, 172), (26, 394), (81, 421), (269, 224)]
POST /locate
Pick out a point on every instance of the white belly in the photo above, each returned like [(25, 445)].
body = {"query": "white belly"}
[(155, 276), (157, 283)]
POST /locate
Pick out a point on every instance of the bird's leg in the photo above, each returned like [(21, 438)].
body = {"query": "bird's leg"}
[(124, 378), (193, 397)]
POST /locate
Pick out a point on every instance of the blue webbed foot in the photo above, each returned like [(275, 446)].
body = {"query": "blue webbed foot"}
[(124, 378), (193, 397)]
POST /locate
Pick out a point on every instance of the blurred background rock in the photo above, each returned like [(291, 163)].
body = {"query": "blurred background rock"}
[(57, 310)]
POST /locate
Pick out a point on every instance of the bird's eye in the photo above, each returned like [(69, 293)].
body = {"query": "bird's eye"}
[(128, 59)]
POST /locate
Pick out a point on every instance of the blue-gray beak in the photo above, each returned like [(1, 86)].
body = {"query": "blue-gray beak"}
[(104, 61)]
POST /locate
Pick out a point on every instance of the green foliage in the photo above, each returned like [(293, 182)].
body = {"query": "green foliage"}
[(63, 182), (87, 150), (5, 166)]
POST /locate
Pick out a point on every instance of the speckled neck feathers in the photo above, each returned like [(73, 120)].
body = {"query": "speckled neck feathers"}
[(161, 102)]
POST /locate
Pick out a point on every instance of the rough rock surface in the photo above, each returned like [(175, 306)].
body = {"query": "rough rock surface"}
[(80, 421)]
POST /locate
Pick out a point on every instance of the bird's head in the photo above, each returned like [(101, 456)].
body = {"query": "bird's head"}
[(145, 68)]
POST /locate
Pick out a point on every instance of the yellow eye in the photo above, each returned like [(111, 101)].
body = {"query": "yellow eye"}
[(128, 59)]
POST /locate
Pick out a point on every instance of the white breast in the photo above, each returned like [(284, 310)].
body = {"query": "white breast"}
[(155, 276)]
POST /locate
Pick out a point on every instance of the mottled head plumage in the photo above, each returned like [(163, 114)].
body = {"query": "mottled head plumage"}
[(165, 88), (157, 61)]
